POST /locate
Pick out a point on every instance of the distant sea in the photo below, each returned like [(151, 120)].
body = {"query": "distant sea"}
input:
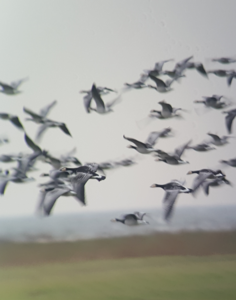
[(92, 225)]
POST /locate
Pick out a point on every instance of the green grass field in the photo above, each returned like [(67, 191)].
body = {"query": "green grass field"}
[(153, 278), (184, 266)]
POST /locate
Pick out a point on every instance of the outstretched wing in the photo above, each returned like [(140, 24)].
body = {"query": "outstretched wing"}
[(180, 150), (169, 201), (31, 144), (137, 143), (99, 102), (45, 110)]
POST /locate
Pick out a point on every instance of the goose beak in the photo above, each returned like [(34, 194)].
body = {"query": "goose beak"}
[(189, 172), (153, 185)]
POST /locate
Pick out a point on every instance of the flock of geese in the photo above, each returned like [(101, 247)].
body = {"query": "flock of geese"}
[(65, 180)]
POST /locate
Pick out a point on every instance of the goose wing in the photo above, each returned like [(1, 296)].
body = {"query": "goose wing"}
[(31, 144), (152, 138), (180, 150), (16, 84), (32, 114), (169, 201), (45, 110), (51, 198), (136, 142), (64, 128), (158, 81), (87, 101), (78, 183), (229, 120), (41, 130), (99, 102), (16, 121)]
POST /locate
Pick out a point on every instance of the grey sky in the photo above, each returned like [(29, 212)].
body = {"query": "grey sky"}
[(66, 46)]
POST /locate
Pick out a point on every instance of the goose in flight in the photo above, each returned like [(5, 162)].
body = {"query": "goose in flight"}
[(140, 84), (173, 158), (179, 68), (46, 123), (172, 189), (219, 141), (167, 111), (161, 86), (12, 88), (157, 70), (147, 147), (203, 147), (203, 175), (214, 182), (101, 108), (136, 218), (230, 162), (79, 177), (214, 101), (224, 60), (88, 97)]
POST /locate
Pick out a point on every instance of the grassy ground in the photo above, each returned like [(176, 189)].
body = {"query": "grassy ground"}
[(198, 266)]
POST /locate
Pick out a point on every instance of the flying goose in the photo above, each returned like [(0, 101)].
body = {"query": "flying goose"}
[(173, 158), (224, 60), (172, 189), (213, 101), (219, 141), (101, 108), (167, 111), (231, 162), (203, 175), (46, 123), (88, 97), (132, 219), (12, 88)]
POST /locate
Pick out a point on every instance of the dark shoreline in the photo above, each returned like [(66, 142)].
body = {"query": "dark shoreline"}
[(199, 243)]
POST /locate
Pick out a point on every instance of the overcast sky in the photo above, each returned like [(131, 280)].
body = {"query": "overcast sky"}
[(66, 46)]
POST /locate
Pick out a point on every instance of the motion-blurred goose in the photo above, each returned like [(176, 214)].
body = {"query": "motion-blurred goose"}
[(143, 148), (161, 86), (230, 162), (173, 158), (172, 190), (198, 66), (140, 84), (135, 218), (46, 123), (48, 197), (219, 141), (204, 174), (101, 108), (214, 101), (88, 97), (167, 110), (179, 69), (12, 88), (219, 73), (13, 119), (203, 147), (214, 183), (80, 176), (157, 70), (224, 60), (231, 114)]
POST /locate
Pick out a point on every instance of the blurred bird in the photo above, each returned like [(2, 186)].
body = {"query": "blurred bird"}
[(173, 158), (88, 97), (135, 218), (12, 88), (224, 60), (157, 70), (172, 190), (167, 110), (219, 141), (230, 162), (214, 101), (101, 108)]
